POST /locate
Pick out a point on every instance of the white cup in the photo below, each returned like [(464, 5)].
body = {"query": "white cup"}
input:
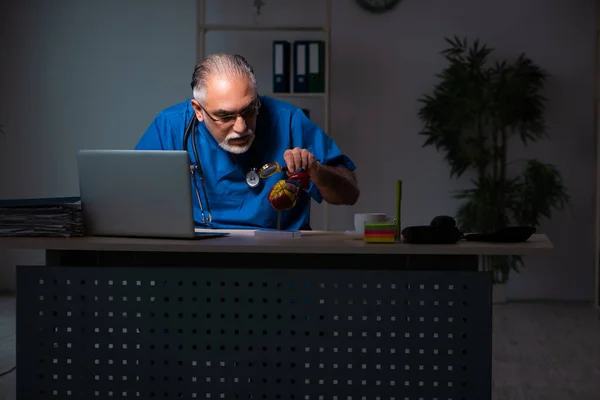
[(361, 218)]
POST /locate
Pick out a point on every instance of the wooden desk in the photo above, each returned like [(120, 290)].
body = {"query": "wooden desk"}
[(316, 242), (324, 316)]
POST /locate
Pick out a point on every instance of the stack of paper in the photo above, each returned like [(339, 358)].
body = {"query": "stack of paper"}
[(58, 217), (254, 232)]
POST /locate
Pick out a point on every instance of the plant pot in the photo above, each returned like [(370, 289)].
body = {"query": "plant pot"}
[(499, 293)]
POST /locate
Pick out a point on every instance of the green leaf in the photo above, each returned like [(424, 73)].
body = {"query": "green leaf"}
[(472, 112), (542, 189)]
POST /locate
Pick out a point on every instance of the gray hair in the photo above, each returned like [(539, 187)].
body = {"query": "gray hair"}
[(223, 65)]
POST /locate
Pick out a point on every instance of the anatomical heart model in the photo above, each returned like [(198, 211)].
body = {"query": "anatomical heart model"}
[(284, 194), (282, 197)]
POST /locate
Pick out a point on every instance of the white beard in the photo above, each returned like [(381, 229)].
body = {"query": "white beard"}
[(236, 149)]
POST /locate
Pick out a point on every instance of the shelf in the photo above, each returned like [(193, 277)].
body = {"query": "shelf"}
[(296, 95), (212, 27)]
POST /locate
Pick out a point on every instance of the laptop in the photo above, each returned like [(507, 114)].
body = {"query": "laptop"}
[(137, 193)]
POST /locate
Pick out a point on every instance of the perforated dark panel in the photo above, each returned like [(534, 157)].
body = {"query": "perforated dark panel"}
[(106, 332)]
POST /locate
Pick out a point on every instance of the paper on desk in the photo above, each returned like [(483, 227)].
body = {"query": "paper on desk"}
[(232, 232), (60, 217), (254, 232), (278, 234)]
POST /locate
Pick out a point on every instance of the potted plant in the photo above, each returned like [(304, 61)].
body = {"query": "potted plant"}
[(475, 109)]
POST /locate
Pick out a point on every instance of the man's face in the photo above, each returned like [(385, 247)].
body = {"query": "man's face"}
[(229, 112)]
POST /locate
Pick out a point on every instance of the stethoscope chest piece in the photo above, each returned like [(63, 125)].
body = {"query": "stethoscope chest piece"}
[(252, 178)]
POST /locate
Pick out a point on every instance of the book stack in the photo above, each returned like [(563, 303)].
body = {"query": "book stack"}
[(51, 217)]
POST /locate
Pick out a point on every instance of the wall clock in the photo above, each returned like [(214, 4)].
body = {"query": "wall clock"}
[(378, 6)]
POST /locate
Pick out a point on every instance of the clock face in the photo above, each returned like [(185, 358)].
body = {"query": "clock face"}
[(377, 6)]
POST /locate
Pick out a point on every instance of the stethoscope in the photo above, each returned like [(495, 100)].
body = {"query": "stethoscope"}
[(252, 177)]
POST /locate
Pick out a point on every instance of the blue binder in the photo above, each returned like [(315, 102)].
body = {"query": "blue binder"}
[(39, 202), (301, 66), (281, 66)]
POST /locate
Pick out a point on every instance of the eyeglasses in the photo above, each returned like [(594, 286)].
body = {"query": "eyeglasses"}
[(229, 118)]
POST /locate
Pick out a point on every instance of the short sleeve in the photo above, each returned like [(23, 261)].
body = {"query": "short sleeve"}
[(151, 139), (164, 133), (306, 134)]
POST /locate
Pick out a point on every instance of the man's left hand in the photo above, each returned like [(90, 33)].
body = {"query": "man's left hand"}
[(300, 158)]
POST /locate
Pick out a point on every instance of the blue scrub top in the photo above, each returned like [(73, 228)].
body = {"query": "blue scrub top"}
[(234, 205)]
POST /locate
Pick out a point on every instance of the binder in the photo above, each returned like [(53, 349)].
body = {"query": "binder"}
[(281, 66), (316, 66), (301, 66)]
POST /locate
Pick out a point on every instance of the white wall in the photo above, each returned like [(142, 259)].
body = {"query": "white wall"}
[(78, 74), (380, 65), (375, 117)]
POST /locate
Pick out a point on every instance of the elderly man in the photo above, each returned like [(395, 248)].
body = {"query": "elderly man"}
[(230, 132)]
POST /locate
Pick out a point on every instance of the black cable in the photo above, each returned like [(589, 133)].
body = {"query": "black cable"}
[(8, 372)]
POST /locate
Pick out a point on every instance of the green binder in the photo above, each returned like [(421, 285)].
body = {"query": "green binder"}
[(316, 66)]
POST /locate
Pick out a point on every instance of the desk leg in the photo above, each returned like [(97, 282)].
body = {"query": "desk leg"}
[(483, 263), (254, 330)]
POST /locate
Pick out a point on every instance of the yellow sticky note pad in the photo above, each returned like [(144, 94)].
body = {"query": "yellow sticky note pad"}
[(380, 232)]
